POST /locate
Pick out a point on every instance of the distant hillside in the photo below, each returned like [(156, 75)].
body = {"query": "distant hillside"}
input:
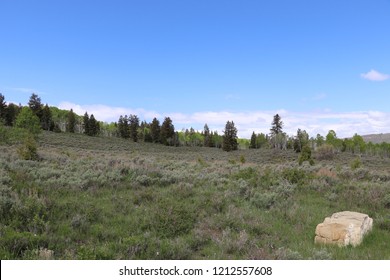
[(377, 138)]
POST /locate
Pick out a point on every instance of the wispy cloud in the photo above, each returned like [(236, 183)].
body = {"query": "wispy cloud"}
[(26, 90), (344, 123), (375, 76)]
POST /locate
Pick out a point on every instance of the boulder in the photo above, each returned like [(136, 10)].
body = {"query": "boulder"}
[(343, 228)]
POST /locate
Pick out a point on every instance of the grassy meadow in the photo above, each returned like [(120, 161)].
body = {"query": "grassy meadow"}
[(109, 198)]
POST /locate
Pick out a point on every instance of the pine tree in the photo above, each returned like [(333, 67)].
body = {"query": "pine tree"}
[(86, 124), (167, 132), (207, 136), (155, 130), (277, 125), (3, 108), (71, 122), (46, 121), (230, 137), (278, 138), (36, 105), (133, 127), (11, 114), (253, 144), (93, 125), (123, 127)]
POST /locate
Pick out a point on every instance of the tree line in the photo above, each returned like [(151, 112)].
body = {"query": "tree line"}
[(37, 116)]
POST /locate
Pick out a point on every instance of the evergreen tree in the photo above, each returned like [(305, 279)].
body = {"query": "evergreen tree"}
[(86, 124), (120, 125), (3, 108), (93, 126), (230, 137), (253, 144), (133, 127), (36, 105), (155, 130), (71, 122), (277, 125), (46, 121), (11, 114), (207, 136), (123, 127), (278, 138), (167, 132)]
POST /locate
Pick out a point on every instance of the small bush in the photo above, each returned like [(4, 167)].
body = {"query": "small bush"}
[(295, 176), (321, 255), (287, 254), (242, 159), (325, 152), (305, 156), (28, 150), (264, 200), (356, 163), (386, 201)]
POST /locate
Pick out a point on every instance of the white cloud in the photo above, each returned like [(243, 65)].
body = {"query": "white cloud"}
[(344, 123), (374, 75), (106, 113)]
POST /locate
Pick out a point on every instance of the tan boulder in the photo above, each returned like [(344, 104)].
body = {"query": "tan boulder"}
[(343, 228)]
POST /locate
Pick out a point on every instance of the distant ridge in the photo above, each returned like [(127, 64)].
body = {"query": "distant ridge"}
[(377, 138)]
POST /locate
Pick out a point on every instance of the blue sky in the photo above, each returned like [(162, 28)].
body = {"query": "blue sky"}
[(320, 64)]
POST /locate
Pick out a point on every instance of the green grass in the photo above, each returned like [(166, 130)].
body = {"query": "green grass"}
[(108, 198)]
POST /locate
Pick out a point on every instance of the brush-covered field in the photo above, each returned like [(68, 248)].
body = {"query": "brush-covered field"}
[(108, 198)]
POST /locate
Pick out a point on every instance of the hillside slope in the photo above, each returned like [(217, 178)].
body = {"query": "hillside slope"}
[(377, 138)]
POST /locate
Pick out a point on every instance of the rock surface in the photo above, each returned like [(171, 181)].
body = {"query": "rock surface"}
[(343, 228)]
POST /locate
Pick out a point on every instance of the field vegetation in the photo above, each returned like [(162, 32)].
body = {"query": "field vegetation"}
[(74, 188), (84, 197)]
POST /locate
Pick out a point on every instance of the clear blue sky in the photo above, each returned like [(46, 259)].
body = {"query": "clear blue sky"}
[(322, 60)]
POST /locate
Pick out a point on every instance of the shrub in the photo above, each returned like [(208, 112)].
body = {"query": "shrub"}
[(28, 150), (6, 202), (19, 242), (386, 201), (294, 176), (325, 152), (356, 163), (305, 156), (287, 254), (173, 218), (3, 134), (264, 200), (321, 255)]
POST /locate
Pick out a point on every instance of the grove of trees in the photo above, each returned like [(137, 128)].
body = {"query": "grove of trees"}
[(36, 116)]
